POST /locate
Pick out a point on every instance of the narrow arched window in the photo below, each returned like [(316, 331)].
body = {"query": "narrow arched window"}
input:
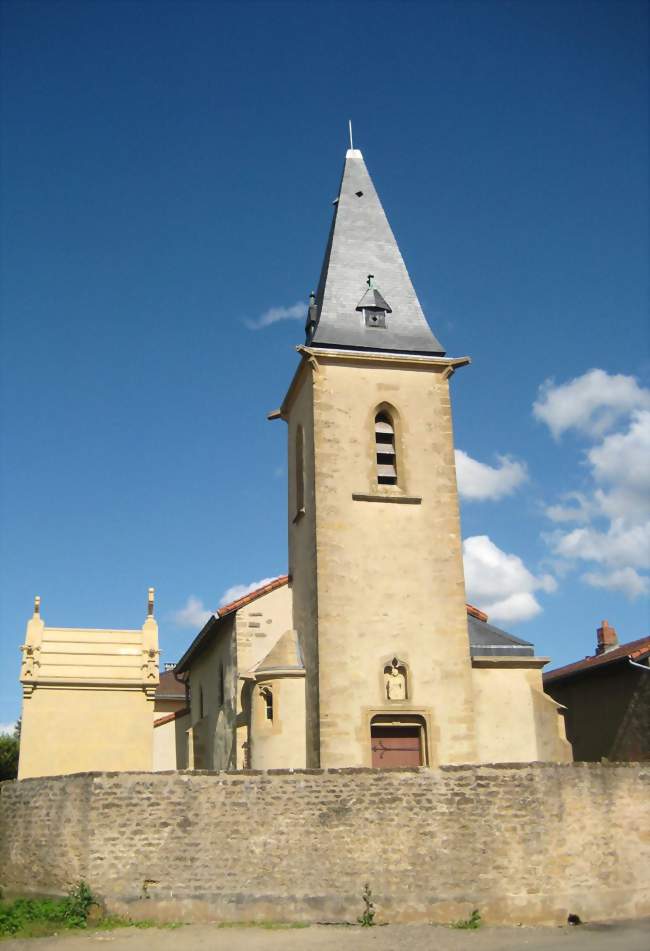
[(266, 693), (221, 687), (385, 449), (300, 471), (201, 708)]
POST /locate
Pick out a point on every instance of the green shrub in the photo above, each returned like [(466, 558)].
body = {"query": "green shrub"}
[(31, 916), (9, 749)]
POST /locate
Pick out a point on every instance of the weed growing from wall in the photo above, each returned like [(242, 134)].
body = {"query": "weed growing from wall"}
[(367, 918), (468, 924)]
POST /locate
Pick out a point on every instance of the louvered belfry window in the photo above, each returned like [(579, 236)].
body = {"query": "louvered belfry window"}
[(385, 447)]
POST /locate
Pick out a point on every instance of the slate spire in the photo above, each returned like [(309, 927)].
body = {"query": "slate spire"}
[(348, 312)]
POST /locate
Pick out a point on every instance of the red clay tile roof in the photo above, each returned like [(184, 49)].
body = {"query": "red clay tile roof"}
[(171, 716), (252, 595), (242, 602), (169, 686), (475, 612), (284, 579), (633, 650)]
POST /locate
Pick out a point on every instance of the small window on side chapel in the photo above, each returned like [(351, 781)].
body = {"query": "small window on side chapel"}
[(221, 687), (300, 471), (385, 449), (266, 693)]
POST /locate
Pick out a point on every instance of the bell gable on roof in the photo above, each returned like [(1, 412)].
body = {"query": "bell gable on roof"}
[(361, 241)]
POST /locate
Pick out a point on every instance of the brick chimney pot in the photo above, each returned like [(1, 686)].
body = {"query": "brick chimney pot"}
[(606, 639)]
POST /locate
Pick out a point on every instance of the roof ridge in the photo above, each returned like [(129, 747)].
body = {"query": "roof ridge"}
[(631, 648), (252, 595)]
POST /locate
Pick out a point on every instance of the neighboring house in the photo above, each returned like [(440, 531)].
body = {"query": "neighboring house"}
[(171, 722), (88, 698), (246, 680), (607, 699)]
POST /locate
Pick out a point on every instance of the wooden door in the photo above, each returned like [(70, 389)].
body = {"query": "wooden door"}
[(396, 745)]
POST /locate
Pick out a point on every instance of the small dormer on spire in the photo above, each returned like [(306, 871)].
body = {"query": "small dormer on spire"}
[(373, 305)]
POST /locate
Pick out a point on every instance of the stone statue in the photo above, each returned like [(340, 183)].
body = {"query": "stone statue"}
[(395, 683)]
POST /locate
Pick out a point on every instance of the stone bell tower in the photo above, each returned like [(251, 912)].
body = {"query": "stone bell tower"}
[(374, 531)]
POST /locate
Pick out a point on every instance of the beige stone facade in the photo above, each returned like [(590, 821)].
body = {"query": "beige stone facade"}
[(88, 698), (377, 574), (387, 577)]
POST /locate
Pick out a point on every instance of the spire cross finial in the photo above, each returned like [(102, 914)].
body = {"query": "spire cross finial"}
[(350, 127), (370, 280)]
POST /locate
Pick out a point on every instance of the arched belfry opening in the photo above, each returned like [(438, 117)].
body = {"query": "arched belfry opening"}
[(385, 449)]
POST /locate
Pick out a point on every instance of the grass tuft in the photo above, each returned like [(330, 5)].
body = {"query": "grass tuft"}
[(468, 924)]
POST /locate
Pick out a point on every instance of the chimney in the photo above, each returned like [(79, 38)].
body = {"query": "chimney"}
[(606, 639)]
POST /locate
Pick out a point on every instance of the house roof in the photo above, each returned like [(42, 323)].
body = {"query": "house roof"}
[(214, 622), (634, 650), (169, 687), (486, 640), (176, 715), (253, 595), (362, 246)]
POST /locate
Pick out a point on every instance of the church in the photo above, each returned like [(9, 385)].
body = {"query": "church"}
[(365, 653)]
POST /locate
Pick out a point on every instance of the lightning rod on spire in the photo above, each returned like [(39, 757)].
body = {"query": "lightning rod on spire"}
[(350, 126)]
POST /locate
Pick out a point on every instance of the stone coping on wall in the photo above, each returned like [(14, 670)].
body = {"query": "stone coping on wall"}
[(341, 770)]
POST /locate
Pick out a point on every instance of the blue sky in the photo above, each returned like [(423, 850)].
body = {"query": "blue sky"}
[(168, 172)]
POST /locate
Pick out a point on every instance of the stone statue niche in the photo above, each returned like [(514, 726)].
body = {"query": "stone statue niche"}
[(395, 680)]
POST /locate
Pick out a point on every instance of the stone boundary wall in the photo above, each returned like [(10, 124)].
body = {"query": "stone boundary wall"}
[(523, 844)]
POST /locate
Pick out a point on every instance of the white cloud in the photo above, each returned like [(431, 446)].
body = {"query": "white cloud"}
[(619, 546), (614, 533), (500, 583), (239, 590), (579, 509), (621, 463), (193, 614), (297, 311), (591, 404), (627, 580), (8, 728), (479, 481)]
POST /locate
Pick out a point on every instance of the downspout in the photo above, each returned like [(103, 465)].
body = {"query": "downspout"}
[(186, 683)]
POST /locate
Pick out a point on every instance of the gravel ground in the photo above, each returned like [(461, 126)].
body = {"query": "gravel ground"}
[(621, 936)]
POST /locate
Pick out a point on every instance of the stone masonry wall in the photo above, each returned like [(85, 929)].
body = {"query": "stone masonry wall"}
[(521, 843)]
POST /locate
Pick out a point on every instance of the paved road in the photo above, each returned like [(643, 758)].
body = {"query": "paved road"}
[(626, 936)]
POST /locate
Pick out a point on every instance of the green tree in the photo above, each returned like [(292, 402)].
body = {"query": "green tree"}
[(9, 749)]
